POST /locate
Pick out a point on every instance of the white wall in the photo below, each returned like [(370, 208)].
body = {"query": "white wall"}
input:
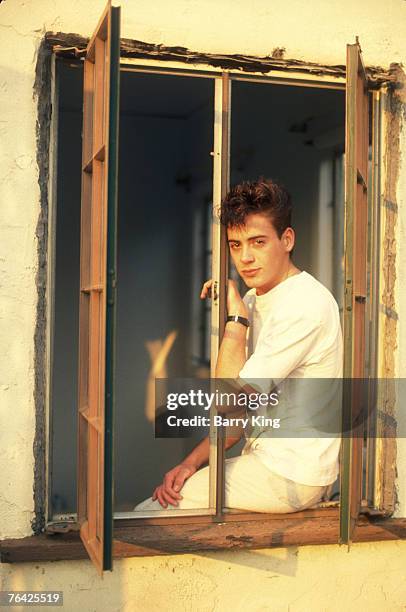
[(371, 576)]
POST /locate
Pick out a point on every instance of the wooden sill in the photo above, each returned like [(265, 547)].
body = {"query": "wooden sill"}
[(138, 540)]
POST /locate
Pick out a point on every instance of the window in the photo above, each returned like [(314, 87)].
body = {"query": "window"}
[(238, 158)]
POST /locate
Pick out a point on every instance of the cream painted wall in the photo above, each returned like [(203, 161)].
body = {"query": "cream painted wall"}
[(309, 579), (370, 577)]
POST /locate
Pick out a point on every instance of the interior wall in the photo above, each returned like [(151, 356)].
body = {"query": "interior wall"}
[(66, 307), (158, 201), (200, 162), (152, 292)]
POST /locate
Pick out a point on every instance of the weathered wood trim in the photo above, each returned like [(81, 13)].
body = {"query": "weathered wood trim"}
[(356, 234), (323, 510), (149, 540), (232, 517), (74, 45), (43, 96), (393, 103), (393, 108)]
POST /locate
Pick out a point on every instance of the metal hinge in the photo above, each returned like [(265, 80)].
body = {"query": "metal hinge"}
[(348, 295), (366, 510), (62, 527), (215, 294)]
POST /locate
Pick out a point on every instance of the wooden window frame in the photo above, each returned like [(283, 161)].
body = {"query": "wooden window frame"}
[(356, 234), (221, 178), (380, 493), (280, 530), (187, 536)]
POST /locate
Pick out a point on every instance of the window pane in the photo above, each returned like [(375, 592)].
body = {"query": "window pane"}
[(296, 135), (164, 254), (163, 257)]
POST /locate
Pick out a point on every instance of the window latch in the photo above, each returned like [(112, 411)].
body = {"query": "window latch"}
[(348, 295), (215, 295)]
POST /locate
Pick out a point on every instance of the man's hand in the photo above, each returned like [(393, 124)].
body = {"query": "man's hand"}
[(235, 305), (168, 491)]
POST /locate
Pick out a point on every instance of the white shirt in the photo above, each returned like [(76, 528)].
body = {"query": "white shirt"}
[(295, 333)]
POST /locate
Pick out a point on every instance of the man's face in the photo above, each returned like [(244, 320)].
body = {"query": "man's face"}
[(260, 256)]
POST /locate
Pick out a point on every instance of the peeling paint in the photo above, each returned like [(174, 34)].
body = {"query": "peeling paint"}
[(73, 45), (395, 110)]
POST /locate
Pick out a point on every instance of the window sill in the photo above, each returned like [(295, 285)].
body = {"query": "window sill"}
[(146, 539)]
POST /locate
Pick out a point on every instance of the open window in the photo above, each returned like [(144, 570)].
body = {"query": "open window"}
[(185, 136)]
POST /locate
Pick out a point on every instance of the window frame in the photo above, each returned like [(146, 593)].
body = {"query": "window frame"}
[(357, 232), (381, 492), (170, 67)]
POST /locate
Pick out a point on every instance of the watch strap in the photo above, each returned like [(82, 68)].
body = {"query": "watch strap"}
[(238, 319)]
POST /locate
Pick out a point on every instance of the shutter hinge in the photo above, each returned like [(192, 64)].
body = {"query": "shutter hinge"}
[(348, 295), (62, 527), (215, 294), (111, 286)]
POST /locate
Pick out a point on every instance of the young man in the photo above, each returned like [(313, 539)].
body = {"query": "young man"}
[(294, 332)]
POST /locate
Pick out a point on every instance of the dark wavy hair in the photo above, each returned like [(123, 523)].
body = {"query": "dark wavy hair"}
[(262, 196)]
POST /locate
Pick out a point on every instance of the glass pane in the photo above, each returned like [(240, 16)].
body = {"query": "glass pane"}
[(296, 135), (164, 255), (163, 260)]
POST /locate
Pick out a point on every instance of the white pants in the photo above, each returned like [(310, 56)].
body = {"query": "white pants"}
[(249, 485)]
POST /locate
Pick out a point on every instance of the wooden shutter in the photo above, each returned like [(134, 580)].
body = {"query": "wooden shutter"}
[(355, 312), (97, 288)]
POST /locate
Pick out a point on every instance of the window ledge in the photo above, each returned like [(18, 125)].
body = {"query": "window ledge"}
[(152, 539)]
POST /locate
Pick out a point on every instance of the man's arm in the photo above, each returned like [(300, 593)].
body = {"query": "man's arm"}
[(232, 353), (168, 491), (231, 358)]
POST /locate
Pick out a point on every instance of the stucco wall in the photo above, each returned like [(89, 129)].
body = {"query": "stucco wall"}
[(371, 576)]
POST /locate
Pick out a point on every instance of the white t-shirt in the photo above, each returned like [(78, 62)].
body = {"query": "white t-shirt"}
[(295, 333)]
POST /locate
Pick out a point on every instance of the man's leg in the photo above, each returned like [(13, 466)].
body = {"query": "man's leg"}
[(249, 485), (195, 494)]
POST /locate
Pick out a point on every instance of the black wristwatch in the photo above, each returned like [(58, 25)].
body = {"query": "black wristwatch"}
[(238, 319)]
